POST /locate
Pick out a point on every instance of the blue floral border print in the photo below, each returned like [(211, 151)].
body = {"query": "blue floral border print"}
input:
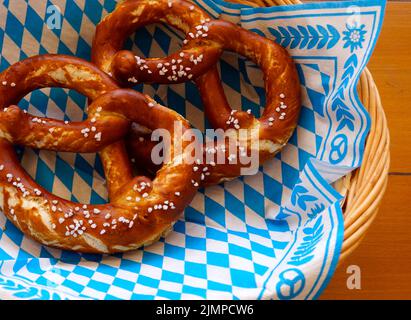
[(276, 235)]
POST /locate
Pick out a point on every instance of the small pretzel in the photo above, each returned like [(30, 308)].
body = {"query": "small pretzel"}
[(205, 40), (140, 210)]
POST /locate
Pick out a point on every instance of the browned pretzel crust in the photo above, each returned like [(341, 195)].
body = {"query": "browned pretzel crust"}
[(196, 57), (205, 40), (140, 209)]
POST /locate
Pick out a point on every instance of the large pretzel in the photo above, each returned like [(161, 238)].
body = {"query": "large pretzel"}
[(205, 41), (140, 209)]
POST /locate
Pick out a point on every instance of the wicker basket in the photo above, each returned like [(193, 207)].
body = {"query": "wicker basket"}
[(365, 187)]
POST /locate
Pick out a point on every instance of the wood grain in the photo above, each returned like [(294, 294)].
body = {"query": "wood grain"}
[(384, 256), (391, 69)]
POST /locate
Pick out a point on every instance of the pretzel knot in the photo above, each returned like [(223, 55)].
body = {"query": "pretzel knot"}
[(205, 40), (140, 209)]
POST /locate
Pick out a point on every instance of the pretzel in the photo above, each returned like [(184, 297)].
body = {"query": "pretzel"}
[(140, 209), (205, 40)]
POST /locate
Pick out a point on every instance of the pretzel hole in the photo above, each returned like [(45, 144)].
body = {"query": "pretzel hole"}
[(57, 103), (71, 176), (151, 154), (166, 40), (243, 83)]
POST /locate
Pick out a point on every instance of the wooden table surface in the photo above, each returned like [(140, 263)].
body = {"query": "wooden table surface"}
[(384, 256)]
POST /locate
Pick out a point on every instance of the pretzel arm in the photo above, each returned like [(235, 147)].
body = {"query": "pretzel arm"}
[(52, 71), (178, 67), (57, 135), (283, 101)]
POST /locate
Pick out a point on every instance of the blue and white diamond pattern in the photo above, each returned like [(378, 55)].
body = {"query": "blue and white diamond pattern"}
[(234, 239)]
